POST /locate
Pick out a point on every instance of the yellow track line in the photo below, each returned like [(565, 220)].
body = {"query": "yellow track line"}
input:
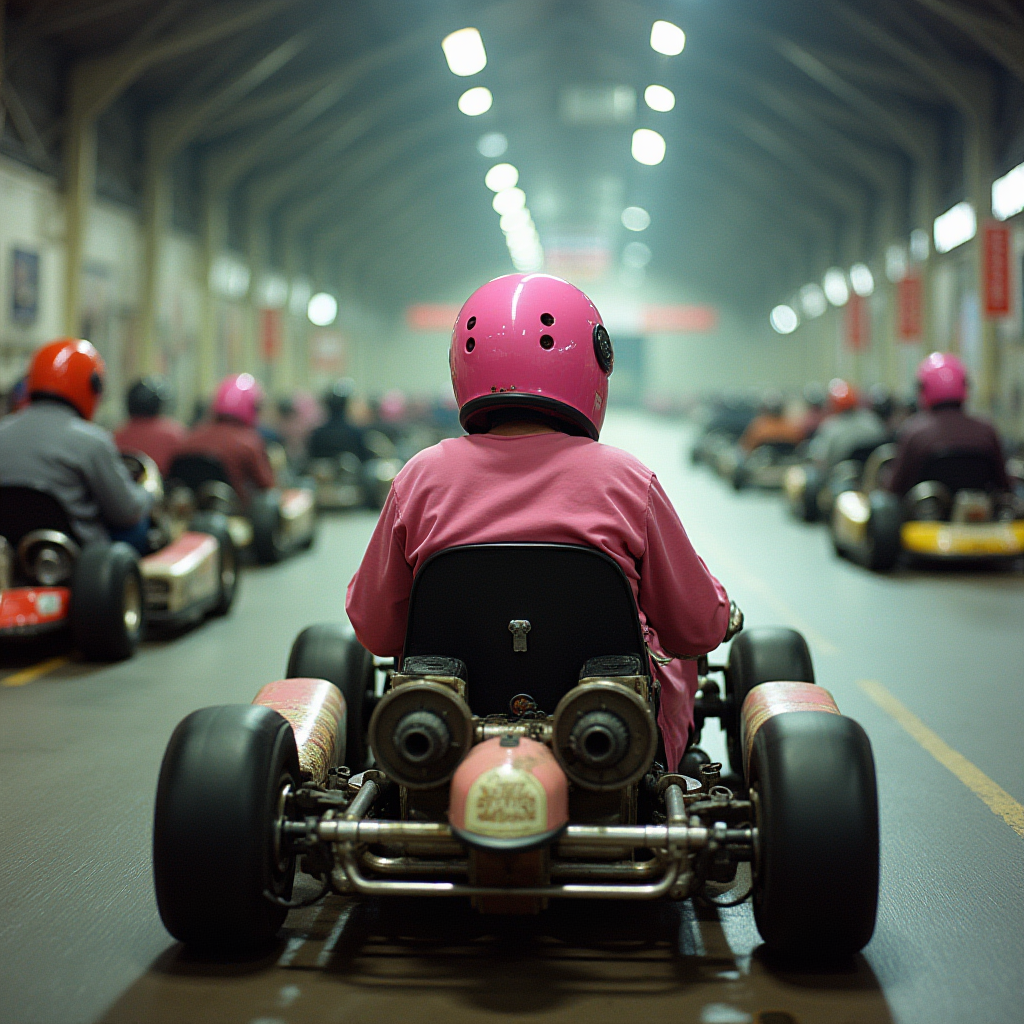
[(998, 800), (33, 672)]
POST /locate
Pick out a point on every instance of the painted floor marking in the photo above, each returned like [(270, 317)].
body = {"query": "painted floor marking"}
[(998, 800), (33, 672), (765, 592)]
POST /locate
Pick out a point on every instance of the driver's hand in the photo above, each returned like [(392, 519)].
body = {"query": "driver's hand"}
[(735, 621)]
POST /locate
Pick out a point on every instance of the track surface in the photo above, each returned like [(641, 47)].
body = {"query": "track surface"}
[(80, 748)]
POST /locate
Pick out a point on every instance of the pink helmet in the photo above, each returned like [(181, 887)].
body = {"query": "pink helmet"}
[(941, 378), (531, 342), (239, 397)]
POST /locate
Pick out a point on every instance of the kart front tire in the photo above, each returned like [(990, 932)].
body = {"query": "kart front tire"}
[(331, 651), (266, 527), (107, 607), (216, 524), (812, 782), (762, 655), (882, 539), (215, 851)]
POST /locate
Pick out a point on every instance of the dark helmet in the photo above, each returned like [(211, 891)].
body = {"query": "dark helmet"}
[(880, 400), (336, 399), (148, 397), (773, 404), (815, 396)]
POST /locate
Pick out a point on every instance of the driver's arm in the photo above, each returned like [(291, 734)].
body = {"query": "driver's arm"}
[(686, 605), (377, 601), (122, 502)]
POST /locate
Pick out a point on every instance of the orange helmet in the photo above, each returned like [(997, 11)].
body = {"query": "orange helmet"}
[(69, 369), (842, 396)]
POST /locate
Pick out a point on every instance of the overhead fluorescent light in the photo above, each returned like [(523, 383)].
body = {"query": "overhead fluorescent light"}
[(322, 309), (812, 301), (862, 280), (954, 227), (784, 319), (837, 291), (476, 101), (657, 97), (501, 176), (492, 145), (1008, 194), (648, 147), (635, 218), (667, 38), (508, 199), (636, 255), (464, 51)]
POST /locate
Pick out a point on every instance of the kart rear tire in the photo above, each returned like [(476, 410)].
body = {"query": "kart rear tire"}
[(882, 537), (331, 651), (216, 524), (217, 802), (762, 655), (808, 510), (265, 516), (816, 871), (108, 612)]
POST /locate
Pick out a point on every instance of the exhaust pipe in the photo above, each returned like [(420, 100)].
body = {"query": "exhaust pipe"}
[(419, 733)]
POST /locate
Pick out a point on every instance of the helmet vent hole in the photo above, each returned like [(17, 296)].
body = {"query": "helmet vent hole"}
[(546, 341), (547, 319), (470, 344), (471, 323)]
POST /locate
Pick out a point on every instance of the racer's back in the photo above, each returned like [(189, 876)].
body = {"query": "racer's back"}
[(49, 447), (239, 448), (335, 437), (941, 430), (159, 437), (841, 434)]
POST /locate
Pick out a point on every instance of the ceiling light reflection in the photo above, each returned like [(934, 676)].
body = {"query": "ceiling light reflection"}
[(784, 319), (648, 147), (500, 177), (476, 101), (635, 218), (667, 38), (464, 51), (657, 97)]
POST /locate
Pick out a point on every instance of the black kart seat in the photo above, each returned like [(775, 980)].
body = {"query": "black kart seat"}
[(525, 618), (963, 470), (24, 509), (194, 470)]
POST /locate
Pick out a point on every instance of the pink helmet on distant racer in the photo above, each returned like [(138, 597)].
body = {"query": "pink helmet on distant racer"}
[(535, 343), (942, 379), (239, 397)]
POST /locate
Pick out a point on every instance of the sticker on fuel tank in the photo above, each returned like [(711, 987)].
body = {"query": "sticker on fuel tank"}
[(506, 801)]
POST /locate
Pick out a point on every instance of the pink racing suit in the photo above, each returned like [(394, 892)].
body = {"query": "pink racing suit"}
[(547, 488)]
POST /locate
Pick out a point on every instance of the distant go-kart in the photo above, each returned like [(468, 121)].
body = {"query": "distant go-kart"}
[(514, 760), (103, 591), (343, 481), (764, 468), (957, 512), (810, 492), (277, 522)]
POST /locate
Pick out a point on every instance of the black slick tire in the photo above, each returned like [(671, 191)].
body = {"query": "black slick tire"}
[(882, 539), (331, 651), (216, 524), (107, 609), (214, 843), (265, 515), (762, 655), (816, 809)]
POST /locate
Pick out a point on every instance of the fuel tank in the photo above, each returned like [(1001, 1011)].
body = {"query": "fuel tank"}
[(315, 709), (509, 794)]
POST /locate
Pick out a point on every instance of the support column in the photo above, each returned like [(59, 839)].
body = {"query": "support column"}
[(214, 238), (155, 220), (80, 168)]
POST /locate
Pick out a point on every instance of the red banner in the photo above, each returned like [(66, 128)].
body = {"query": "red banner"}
[(858, 323), (270, 334), (910, 308), (996, 269), (431, 316), (679, 319)]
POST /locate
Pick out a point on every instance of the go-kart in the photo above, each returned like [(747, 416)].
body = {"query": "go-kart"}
[(957, 512), (811, 491), (724, 423), (764, 468), (514, 760), (343, 481), (276, 523), (102, 591)]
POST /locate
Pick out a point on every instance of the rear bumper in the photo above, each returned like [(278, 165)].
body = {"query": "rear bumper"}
[(33, 611), (949, 541)]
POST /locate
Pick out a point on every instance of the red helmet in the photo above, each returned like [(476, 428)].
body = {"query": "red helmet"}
[(941, 378), (842, 395), (239, 397), (69, 369), (531, 342)]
